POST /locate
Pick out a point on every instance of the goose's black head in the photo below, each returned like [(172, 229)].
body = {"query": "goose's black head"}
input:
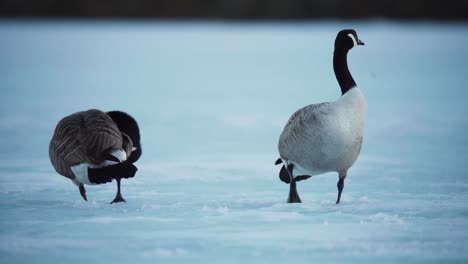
[(129, 126), (347, 39)]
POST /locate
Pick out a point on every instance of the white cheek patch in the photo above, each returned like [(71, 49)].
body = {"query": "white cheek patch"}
[(353, 38)]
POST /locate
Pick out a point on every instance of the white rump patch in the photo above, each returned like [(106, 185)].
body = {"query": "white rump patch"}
[(119, 154), (81, 174), (353, 38), (81, 171)]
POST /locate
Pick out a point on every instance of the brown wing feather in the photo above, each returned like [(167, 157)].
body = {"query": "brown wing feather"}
[(83, 137)]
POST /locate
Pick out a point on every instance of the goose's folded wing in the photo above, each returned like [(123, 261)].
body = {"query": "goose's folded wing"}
[(83, 137), (98, 136), (303, 126)]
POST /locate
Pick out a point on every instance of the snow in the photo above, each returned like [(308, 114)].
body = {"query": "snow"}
[(211, 100)]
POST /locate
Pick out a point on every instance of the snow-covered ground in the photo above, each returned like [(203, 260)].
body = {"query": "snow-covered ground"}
[(211, 100)]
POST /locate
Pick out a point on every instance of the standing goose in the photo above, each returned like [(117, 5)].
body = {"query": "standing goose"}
[(325, 137), (88, 148)]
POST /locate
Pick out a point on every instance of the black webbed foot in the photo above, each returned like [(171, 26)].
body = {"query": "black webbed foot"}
[(278, 161), (284, 175), (118, 197), (302, 177), (293, 195), (83, 192)]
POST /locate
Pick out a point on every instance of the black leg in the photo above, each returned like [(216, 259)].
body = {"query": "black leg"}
[(83, 192), (293, 195), (118, 196), (340, 186)]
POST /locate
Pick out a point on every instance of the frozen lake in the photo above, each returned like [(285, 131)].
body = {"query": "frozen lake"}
[(211, 100)]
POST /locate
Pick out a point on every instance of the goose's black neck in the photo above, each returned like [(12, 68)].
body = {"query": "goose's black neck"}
[(340, 65)]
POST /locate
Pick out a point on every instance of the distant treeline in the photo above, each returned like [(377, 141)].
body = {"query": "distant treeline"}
[(237, 9)]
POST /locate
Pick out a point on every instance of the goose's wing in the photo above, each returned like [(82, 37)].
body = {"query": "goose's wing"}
[(303, 128)]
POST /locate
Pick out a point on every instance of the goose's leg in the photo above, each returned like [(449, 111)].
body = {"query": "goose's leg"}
[(118, 196), (83, 192), (340, 185), (293, 195)]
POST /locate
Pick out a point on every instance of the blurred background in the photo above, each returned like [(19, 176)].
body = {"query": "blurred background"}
[(212, 83), (241, 9)]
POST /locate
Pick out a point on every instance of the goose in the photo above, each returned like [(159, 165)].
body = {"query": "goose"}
[(325, 137), (88, 148)]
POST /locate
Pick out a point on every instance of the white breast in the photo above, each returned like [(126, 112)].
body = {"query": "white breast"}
[(346, 124), (330, 144)]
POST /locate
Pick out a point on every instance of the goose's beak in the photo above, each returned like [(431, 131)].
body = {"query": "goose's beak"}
[(359, 42)]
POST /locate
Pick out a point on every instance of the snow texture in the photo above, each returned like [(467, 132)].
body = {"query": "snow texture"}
[(211, 100)]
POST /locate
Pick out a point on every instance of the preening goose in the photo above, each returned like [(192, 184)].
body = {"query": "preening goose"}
[(88, 148), (325, 137)]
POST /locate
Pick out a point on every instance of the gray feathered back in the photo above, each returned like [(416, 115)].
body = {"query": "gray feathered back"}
[(303, 127)]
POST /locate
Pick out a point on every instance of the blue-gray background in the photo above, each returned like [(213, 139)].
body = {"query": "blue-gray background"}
[(211, 100)]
